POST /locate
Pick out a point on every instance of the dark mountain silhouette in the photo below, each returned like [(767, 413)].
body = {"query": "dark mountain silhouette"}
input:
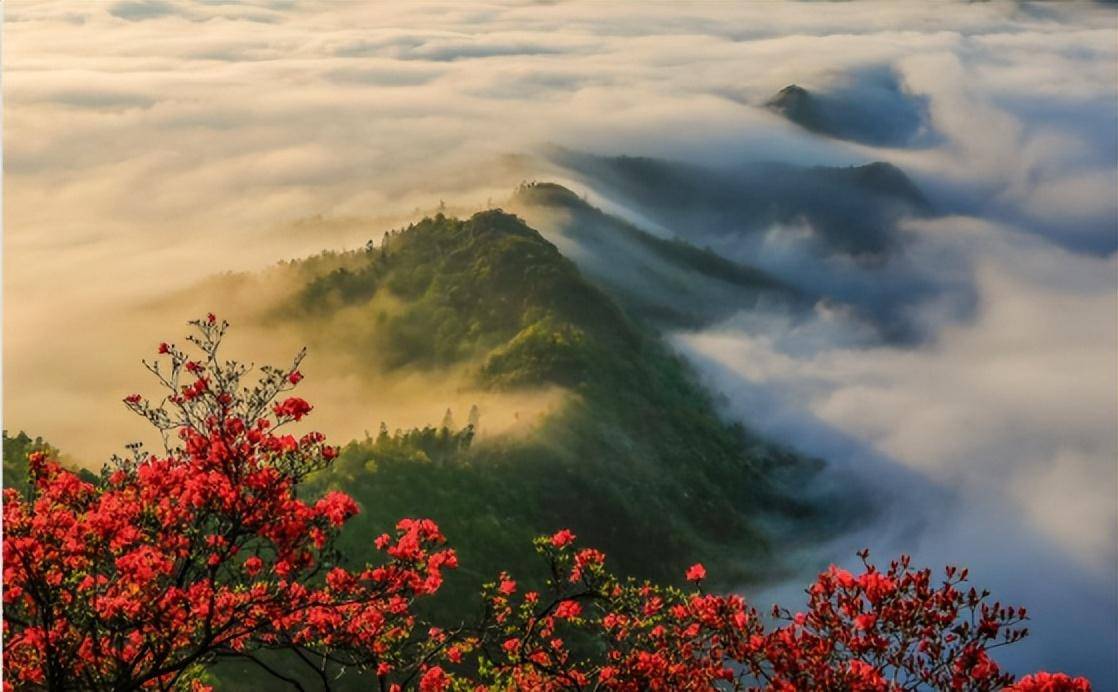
[(849, 211), (874, 111), (832, 233), (665, 281)]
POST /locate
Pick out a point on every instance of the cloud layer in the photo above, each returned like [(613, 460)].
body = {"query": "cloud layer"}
[(150, 143), (1007, 420)]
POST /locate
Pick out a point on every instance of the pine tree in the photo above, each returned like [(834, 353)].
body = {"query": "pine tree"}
[(474, 418)]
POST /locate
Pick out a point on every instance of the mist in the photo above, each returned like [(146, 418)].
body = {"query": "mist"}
[(961, 349), (1008, 418)]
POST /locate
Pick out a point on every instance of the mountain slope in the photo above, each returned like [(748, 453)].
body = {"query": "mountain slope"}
[(667, 282), (459, 290), (836, 234), (636, 459), (850, 211)]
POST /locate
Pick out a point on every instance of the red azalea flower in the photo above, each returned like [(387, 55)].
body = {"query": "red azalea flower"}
[(562, 538), (696, 572)]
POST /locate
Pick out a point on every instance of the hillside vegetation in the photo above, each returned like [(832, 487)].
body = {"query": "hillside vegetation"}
[(16, 449), (637, 461)]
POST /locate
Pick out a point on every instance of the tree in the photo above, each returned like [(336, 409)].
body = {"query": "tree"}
[(172, 562), (474, 419), (878, 630), (206, 552)]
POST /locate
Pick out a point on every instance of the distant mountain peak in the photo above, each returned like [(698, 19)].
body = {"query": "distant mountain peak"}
[(548, 193), (884, 179), (876, 111), (799, 106), (791, 95)]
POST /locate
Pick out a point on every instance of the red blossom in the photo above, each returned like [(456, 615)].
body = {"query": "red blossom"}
[(434, 680), (292, 407), (1050, 682), (252, 566), (562, 538), (882, 631), (865, 621), (567, 610), (337, 507), (696, 572)]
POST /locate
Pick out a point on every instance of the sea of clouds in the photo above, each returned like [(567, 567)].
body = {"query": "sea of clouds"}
[(150, 143)]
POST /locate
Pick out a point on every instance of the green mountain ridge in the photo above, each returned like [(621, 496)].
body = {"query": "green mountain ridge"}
[(486, 287), (636, 457), (637, 461)]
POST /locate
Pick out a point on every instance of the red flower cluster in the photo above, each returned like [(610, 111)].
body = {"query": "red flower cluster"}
[(1050, 682), (206, 552), (874, 631), (696, 573), (292, 408)]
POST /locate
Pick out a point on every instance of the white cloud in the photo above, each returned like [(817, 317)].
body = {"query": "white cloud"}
[(1029, 385), (1014, 411)]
